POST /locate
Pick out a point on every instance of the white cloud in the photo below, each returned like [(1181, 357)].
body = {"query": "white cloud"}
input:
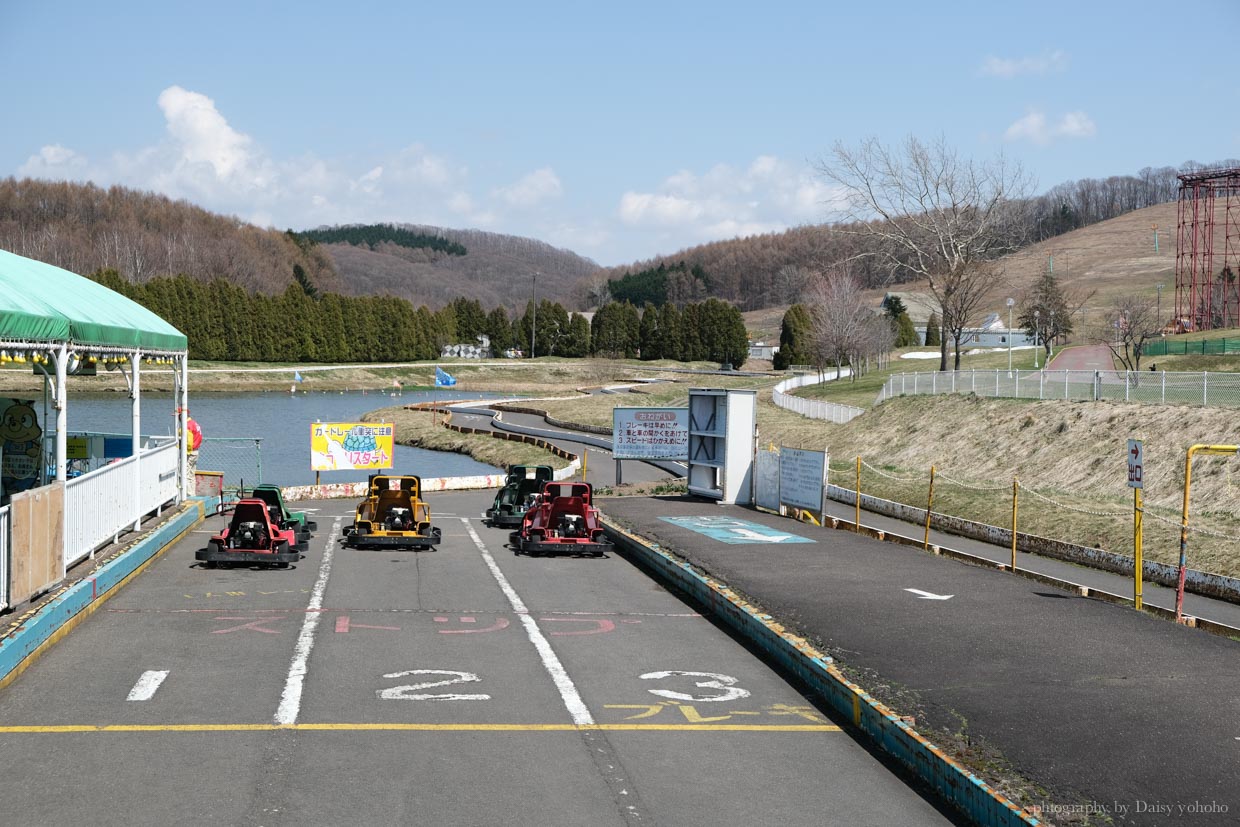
[(1046, 63), (1035, 127), (203, 135), (540, 185), (647, 208), (53, 161), (767, 196)]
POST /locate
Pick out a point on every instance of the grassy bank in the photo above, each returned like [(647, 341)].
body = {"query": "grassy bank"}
[(547, 375)]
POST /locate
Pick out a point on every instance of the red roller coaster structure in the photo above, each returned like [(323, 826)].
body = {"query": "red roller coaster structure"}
[(1207, 291)]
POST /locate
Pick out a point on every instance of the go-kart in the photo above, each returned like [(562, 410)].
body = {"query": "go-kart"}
[(281, 516), (251, 537), (561, 521), (392, 515), (521, 486)]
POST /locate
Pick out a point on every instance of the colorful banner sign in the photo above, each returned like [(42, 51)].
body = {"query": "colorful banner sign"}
[(351, 446), (650, 433)]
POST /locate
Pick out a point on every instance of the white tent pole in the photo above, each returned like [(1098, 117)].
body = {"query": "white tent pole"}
[(186, 478), (62, 418), (135, 394)]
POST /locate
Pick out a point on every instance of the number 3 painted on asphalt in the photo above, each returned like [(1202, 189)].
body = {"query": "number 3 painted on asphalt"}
[(717, 681), (405, 693)]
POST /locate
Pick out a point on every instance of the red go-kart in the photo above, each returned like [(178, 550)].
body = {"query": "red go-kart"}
[(562, 521), (251, 538)]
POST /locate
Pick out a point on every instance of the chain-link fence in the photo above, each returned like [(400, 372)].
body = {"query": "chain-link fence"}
[(1204, 389), (1180, 347), (240, 459)]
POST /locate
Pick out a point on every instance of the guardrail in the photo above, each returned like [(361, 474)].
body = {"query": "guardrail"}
[(1205, 389), (813, 408), (100, 505)]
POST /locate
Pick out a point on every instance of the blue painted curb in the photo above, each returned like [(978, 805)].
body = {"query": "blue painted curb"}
[(51, 619), (973, 796)]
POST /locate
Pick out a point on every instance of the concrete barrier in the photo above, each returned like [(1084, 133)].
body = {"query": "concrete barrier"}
[(43, 626), (895, 736)]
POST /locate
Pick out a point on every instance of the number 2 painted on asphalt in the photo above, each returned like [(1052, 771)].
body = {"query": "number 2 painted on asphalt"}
[(409, 692), (717, 681)]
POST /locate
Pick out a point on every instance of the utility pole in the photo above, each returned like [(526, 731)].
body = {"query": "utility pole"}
[(533, 311)]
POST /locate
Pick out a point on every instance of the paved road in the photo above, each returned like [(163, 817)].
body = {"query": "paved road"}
[(600, 467), (1083, 357), (1095, 703), (449, 687)]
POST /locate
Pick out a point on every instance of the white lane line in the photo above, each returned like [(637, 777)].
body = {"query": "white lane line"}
[(145, 688), (559, 676), (290, 699)]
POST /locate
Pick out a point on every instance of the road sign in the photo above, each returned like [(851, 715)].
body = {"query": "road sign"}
[(650, 433), (735, 532), (1136, 463)]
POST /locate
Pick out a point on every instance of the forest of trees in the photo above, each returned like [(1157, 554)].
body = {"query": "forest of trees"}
[(84, 228), (372, 235), (225, 322)]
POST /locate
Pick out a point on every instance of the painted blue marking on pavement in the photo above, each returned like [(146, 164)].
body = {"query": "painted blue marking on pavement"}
[(735, 532)]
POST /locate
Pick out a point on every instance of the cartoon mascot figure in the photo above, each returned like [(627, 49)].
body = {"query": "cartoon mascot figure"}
[(22, 442)]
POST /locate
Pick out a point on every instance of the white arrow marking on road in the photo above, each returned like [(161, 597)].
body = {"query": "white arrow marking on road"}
[(750, 534), (929, 596)]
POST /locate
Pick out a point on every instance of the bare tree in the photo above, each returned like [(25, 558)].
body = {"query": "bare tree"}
[(846, 329), (934, 214), (1132, 324), (963, 297)]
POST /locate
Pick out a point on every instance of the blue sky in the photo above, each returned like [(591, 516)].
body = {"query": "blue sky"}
[(618, 131)]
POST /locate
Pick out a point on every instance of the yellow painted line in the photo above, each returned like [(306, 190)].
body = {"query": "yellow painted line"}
[(75, 728)]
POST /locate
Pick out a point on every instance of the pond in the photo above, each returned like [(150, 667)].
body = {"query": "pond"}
[(265, 437)]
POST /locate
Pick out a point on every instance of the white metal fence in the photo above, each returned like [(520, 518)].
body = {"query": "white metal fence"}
[(813, 408), (100, 505), (1200, 389), (4, 557)]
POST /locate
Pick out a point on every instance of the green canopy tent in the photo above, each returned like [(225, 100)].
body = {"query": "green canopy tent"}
[(67, 324)]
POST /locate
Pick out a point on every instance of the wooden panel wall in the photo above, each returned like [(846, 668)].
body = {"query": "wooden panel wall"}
[(38, 541)]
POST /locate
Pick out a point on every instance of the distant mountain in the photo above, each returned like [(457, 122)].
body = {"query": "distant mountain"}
[(84, 228), (498, 270)]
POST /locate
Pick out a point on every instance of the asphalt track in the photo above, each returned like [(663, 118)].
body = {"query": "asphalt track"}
[(465, 685), (1101, 706)]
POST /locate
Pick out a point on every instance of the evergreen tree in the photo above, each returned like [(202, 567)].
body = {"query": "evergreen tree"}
[(649, 333), (670, 337), (906, 334), (499, 329), (576, 344), (796, 335), (934, 332)]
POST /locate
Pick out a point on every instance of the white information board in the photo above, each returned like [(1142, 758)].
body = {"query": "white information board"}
[(650, 433), (802, 478)]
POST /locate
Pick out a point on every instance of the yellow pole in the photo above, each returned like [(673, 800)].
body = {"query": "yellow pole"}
[(1188, 472), (858, 495), (585, 461), (1015, 489), (929, 505), (1137, 571)]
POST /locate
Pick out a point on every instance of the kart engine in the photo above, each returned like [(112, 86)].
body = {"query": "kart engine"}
[(398, 519), (572, 525), (251, 535)]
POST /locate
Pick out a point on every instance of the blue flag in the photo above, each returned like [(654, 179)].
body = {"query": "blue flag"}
[(443, 379), (297, 375)]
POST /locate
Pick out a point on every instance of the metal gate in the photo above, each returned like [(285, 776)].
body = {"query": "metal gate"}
[(766, 479)]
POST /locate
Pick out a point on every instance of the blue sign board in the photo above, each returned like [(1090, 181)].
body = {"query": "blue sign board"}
[(733, 531)]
